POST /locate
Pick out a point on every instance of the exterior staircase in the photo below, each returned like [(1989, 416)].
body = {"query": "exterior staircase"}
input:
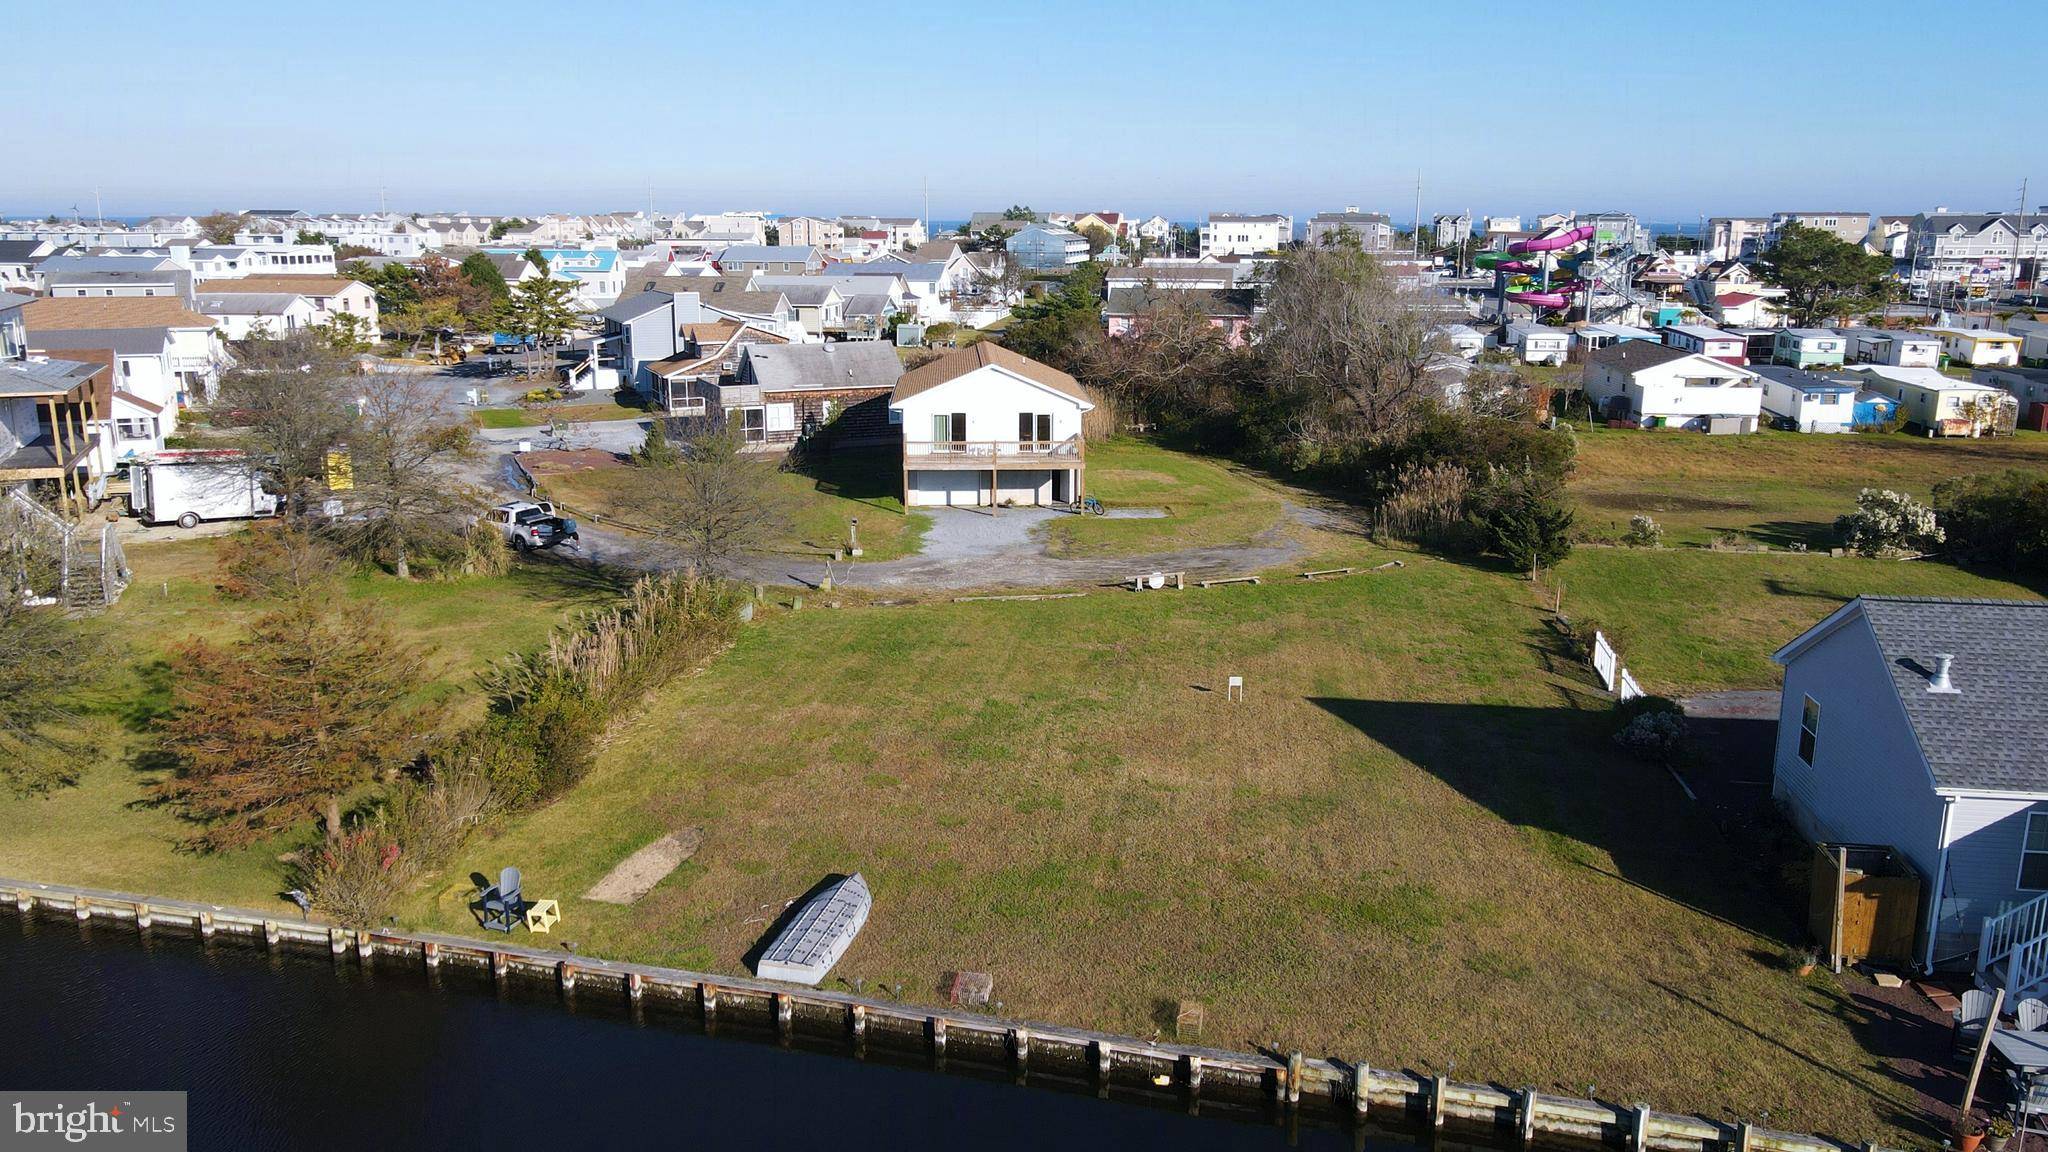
[(91, 569), (2012, 950), (1610, 275)]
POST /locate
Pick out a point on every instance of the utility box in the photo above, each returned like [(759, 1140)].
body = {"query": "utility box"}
[(1879, 903)]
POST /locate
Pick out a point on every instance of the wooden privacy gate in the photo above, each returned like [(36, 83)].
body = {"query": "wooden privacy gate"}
[(1863, 903)]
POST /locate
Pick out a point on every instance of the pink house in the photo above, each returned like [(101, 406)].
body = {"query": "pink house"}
[(1229, 309)]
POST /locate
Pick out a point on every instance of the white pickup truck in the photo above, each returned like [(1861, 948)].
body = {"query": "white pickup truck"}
[(528, 524)]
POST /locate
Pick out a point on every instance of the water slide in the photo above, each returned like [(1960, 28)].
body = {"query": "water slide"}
[(1553, 242)]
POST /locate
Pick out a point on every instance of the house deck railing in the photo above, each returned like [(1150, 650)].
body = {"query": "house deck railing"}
[(2018, 940), (988, 453)]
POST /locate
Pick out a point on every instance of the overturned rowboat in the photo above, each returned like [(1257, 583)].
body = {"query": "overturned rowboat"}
[(818, 935)]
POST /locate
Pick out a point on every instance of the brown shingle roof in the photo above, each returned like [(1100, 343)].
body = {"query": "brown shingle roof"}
[(70, 313), (983, 354), (298, 283)]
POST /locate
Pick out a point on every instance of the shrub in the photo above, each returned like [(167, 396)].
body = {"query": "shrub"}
[(1658, 737), (1643, 532), (1888, 523), (1524, 519), (357, 877), (1427, 502), (541, 396), (550, 708), (2001, 517), (276, 560)]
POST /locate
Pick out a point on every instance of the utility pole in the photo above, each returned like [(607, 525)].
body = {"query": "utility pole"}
[(2016, 235), (927, 208), (100, 212), (1416, 236)]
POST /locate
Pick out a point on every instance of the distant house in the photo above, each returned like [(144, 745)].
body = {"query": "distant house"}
[(1977, 347), (1893, 346), (329, 296), (2029, 386), (1228, 310), (19, 260), (1243, 234), (784, 392), (2033, 336), (818, 307), (1849, 227), (1711, 342), (1535, 343), (1661, 386), (1741, 309), (809, 232), (770, 258), (1372, 231), (1914, 724), (241, 315), (1808, 401), (1046, 248), (1941, 405), (1154, 274), (1157, 229), (1809, 347), (1593, 337), (984, 426), (1464, 340)]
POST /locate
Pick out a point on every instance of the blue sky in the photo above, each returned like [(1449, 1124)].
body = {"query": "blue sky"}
[(1669, 110)]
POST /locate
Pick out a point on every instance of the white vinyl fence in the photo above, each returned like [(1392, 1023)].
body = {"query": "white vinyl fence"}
[(1607, 665)]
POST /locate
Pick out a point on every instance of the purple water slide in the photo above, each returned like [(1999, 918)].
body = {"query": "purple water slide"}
[(1559, 296), (1554, 241)]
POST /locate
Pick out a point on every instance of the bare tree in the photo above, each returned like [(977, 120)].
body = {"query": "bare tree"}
[(1173, 359), (287, 403), (1342, 339), (404, 499), (45, 661), (714, 505)]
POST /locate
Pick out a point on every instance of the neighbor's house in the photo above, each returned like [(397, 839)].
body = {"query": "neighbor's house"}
[(741, 258), (330, 296), (1848, 227), (1661, 386), (1916, 724), (1892, 346), (2033, 336), (1172, 276), (1977, 347), (1241, 234), (67, 274), (819, 308), (784, 392), (708, 355), (51, 418), (2029, 386), (1464, 341), (1807, 401), (1046, 248), (1710, 342), (985, 426), (166, 353), (1228, 310), (1371, 231), (1593, 337), (1535, 343), (1941, 405), (1809, 347), (1739, 309), (241, 315), (20, 261)]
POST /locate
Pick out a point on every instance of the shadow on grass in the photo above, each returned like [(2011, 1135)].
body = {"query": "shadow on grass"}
[(1555, 772), (863, 475), (1785, 533)]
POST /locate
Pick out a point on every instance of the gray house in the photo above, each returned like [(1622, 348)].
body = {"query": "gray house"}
[(1917, 724)]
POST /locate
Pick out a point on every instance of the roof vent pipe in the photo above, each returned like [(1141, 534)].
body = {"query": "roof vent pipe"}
[(1939, 682)]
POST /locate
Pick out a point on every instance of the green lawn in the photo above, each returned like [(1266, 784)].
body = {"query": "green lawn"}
[(101, 833), (1776, 488), (568, 413), (1206, 502), (1417, 806), (861, 484)]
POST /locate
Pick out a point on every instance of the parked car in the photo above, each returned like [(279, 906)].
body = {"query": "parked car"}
[(528, 525)]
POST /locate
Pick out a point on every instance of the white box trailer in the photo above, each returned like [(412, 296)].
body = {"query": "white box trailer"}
[(187, 487)]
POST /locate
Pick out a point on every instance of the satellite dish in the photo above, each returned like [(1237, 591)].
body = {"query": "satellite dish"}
[(1156, 581)]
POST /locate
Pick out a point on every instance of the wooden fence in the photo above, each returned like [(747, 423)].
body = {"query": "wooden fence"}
[(1293, 1086)]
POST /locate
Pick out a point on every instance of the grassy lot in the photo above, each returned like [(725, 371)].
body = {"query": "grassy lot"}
[(1688, 619), (1207, 502), (100, 833), (1775, 487), (859, 483), (567, 413), (1412, 843)]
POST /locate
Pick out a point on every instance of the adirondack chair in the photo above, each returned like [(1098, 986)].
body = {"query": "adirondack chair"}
[(502, 907), (1971, 1018), (2030, 1014), (2030, 1104)]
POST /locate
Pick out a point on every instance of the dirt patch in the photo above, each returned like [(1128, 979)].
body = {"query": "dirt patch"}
[(637, 874), (1660, 502), (558, 462)]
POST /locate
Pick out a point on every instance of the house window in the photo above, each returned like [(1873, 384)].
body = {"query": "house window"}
[(144, 429), (2034, 854), (1809, 728)]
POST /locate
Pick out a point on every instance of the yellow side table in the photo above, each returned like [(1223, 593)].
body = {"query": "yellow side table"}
[(542, 916)]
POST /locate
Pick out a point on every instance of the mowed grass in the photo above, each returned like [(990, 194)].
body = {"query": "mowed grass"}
[(103, 833), (1777, 488), (565, 413), (1207, 502), (1413, 842), (863, 484), (1688, 619)]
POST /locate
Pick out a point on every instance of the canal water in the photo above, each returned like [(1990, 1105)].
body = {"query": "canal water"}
[(300, 1052)]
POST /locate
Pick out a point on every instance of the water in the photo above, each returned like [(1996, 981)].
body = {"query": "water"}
[(301, 1052)]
